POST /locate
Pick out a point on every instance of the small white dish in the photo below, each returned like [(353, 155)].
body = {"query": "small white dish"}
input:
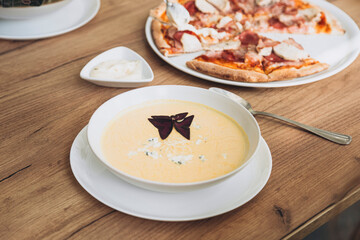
[(111, 108), (99, 182), (118, 53), (68, 18)]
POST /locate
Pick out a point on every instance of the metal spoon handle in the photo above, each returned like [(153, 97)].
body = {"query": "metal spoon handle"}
[(332, 136)]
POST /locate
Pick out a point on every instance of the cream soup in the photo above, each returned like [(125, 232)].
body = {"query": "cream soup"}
[(132, 144)]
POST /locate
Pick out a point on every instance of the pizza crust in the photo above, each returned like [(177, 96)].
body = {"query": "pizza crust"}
[(219, 71), (241, 75), (159, 37), (289, 73), (158, 11)]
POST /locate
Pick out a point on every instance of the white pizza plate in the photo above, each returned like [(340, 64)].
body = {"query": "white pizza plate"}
[(338, 51), (94, 177), (68, 18)]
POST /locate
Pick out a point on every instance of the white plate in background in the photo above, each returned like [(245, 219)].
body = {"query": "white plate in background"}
[(338, 51), (109, 189), (68, 18)]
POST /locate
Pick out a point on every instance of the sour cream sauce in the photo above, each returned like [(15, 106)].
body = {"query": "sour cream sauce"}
[(118, 69)]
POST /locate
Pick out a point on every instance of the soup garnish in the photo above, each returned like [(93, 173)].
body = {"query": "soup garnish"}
[(165, 124)]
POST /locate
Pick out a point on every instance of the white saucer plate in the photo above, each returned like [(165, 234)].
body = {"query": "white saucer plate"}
[(94, 177), (338, 51), (68, 18)]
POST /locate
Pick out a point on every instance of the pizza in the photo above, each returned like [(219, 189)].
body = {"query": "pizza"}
[(258, 59), (285, 16), (228, 31), (173, 41)]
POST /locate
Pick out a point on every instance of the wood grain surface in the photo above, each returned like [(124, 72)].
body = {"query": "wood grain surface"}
[(44, 104)]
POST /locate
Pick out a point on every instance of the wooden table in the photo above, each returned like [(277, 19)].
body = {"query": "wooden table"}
[(44, 104)]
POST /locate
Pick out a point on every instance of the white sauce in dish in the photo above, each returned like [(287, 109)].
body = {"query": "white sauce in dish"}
[(118, 70)]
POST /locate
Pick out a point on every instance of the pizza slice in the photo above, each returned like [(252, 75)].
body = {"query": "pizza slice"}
[(285, 16), (208, 28), (258, 59), (203, 13), (173, 40)]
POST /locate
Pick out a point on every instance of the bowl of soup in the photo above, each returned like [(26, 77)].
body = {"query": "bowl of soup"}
[(173, 138)]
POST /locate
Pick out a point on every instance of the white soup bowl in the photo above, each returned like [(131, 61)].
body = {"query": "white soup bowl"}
[(111, 108)]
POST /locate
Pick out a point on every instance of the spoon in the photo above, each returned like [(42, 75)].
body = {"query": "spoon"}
[(331, 136), (177, 13)]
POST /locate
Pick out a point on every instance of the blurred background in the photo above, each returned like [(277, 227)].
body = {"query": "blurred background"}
[(345, 226)]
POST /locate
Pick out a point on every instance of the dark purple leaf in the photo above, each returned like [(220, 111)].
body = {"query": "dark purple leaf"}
[(165, 124), (180, 116), (183, 127), (161, 117), (164, 127)]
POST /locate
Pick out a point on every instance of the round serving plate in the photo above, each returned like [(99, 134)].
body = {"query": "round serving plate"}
[(109, 189)]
